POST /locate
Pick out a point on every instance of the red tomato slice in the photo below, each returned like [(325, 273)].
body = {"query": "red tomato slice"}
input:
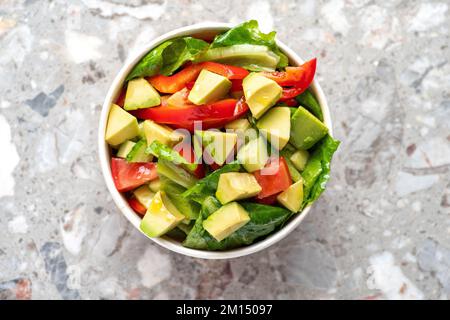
[(290, 93), (291, 102), (183, 114), (236, 85), (277, 181), (176, 82), (270, 200), (120, 101), (128, 176), (300, 77), (137, 206)]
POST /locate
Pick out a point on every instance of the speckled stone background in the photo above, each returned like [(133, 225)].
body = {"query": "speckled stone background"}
[(381, 230)]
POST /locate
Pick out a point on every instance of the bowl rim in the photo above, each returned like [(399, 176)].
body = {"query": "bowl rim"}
[(104, 154)]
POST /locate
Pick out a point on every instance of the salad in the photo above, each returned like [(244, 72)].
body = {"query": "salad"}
[(218, 142)]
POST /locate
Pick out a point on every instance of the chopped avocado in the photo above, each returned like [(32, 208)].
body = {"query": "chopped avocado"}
[(260, 93), (276, 124), (144, 195), (155, 185), (218, 145), (238, 124), (125, 148), (306, 129), (163, 134), (295, 175), (140, 94), (175, 173), (121, 126), (253, 156), (252, 57), (235, 186), (292, 197), (299, 159), (161, 216), (223, 222), (141, 129), (209, 87), (137, 154)]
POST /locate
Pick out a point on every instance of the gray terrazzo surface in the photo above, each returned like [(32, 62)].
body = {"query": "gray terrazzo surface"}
[(381, 230)]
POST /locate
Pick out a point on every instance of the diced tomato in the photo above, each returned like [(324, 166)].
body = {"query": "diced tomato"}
[(277, 181), (190, 85), (299, 77), (128, 176), (187, 152), (215, 166), (290, 93), (176, 82), (270, 200), (291, 102), (137, 206), (120, 101), (180, 113), (236, 85)]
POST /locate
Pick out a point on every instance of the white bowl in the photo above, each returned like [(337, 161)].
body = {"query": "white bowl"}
[(104, 150)]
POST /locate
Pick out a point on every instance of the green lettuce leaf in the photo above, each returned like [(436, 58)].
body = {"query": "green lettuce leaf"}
[(168, 57), (264, 220), (166, 153), (308, 101), (317, 170), (188, 208), (249, 33), (208, 185)]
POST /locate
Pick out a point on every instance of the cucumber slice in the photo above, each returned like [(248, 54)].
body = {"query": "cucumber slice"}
[(125, 148), (137, 154), (252, 57)]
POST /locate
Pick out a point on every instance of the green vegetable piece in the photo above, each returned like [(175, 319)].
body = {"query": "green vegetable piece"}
[(155, 185), (236, 186), (317, 170), (161, 217), (306, 129), (264, 220), (299, 158), (307, 100), (175, 173), (174, 191), (253, 156), (137, 154), (121, 126), (219, 145), (166, 153), (168, 57), (144, 195), (209, 87), (226, 220), (292, 197), (260, 93), (208, 185), (125, 148), (140, 94), (276, 125), (249, 33)]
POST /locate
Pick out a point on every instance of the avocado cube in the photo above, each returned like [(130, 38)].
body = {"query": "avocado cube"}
[(223, 222), (144, 195), (161, 216), (299, 158), (253, 156), (155, 185), (260, 93), (163, 134), (306, 129), (125, 148), (238, 124), (292, 197), (121, 126), (140, 94), (137, 154), (276, 125), (218, 145), (236, 186), (209, 87)]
